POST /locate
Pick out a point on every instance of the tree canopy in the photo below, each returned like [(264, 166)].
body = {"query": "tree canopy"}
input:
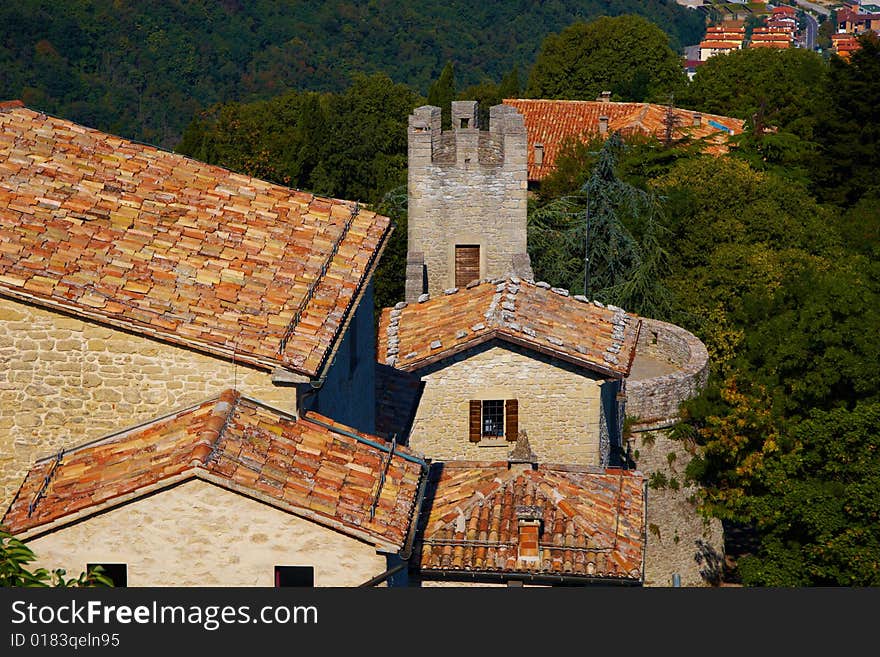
[(627, 55), (143, 69)]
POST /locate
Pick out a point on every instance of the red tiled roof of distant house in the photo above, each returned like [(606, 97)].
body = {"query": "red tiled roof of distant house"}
[(844, 44), (784, 11), (553, 123), (591, 521), (163, 245), (310, 467), (530, 315)]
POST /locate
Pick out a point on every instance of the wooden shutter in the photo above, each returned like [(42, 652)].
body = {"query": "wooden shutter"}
[(476, 418), (511, 419), (467, 265)]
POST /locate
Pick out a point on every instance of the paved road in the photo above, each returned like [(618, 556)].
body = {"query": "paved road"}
[(811, 29)]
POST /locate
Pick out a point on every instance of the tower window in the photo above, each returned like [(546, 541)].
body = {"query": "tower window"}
[(465, 123)]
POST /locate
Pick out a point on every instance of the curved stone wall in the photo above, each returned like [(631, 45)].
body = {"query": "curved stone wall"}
[(655, 401)]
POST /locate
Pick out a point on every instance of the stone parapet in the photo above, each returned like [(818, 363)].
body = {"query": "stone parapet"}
[(654, 402)]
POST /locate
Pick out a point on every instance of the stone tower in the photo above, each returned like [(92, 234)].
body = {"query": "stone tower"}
[(467, 199)]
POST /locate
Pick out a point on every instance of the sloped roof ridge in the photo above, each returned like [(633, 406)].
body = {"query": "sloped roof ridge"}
[(209, 438)]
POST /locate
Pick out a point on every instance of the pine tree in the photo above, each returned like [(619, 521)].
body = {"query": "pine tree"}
[(442, 92)]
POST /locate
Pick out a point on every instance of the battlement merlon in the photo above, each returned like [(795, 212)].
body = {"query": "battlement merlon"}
[(423, 134), (508, 126), (466, 144)]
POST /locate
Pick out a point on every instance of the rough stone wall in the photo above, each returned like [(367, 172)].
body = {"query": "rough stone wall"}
[(198, 534), (655, 401), (465, 187), (64, 381), (679, 540), (559, 406)]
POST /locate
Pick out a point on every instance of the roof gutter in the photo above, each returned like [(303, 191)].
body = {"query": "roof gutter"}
[(533, 578), (324, 368), (417, 512), (381, 577)]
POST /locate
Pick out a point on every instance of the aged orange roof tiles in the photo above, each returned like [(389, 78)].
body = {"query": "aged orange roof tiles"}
[(533, 315), (592, 521), (311, 467), (554, 122), (161, 244)]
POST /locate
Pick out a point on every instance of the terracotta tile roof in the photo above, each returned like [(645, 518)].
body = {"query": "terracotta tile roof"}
[(533, 315), (309, 466), (592, 520), (167, 246), (554, 122)]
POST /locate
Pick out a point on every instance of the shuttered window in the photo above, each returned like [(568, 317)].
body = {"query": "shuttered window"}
[(511, 419), (476, 414), (467, 264), (493, 418)]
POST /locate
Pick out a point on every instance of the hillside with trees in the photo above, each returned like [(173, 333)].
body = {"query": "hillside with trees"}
[(144, 69)]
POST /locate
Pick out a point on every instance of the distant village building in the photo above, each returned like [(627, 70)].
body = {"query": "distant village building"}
[(852, 18), (844, 45), (722, 39), (229, 492), (134, 280), (772, 36)]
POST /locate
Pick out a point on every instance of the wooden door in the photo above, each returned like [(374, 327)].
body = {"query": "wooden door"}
[(467, 264)]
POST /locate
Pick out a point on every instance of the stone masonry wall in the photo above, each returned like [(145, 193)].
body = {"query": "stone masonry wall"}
[(559, 406), (64, 381), (198, 534), (655, 401), (679, 540), (465, 187)]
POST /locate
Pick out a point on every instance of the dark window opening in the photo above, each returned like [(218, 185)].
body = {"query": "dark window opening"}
[(465, 123), (116, 572), (294, 576), (493, 418)]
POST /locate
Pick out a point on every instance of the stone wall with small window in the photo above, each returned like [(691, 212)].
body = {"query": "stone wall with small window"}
[(64, 381), (198, 534), (558, 405)]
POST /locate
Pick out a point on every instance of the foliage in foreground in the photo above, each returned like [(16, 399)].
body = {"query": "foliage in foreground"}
[(15, 556)]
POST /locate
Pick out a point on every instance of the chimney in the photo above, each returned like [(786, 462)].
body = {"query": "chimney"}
[(529, 524), (539, 154), (604, 97), (698, 119), (603, 124), (521, 457)]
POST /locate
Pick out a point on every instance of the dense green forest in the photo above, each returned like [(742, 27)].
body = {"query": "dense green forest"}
[(144, 69), (770, 254)]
